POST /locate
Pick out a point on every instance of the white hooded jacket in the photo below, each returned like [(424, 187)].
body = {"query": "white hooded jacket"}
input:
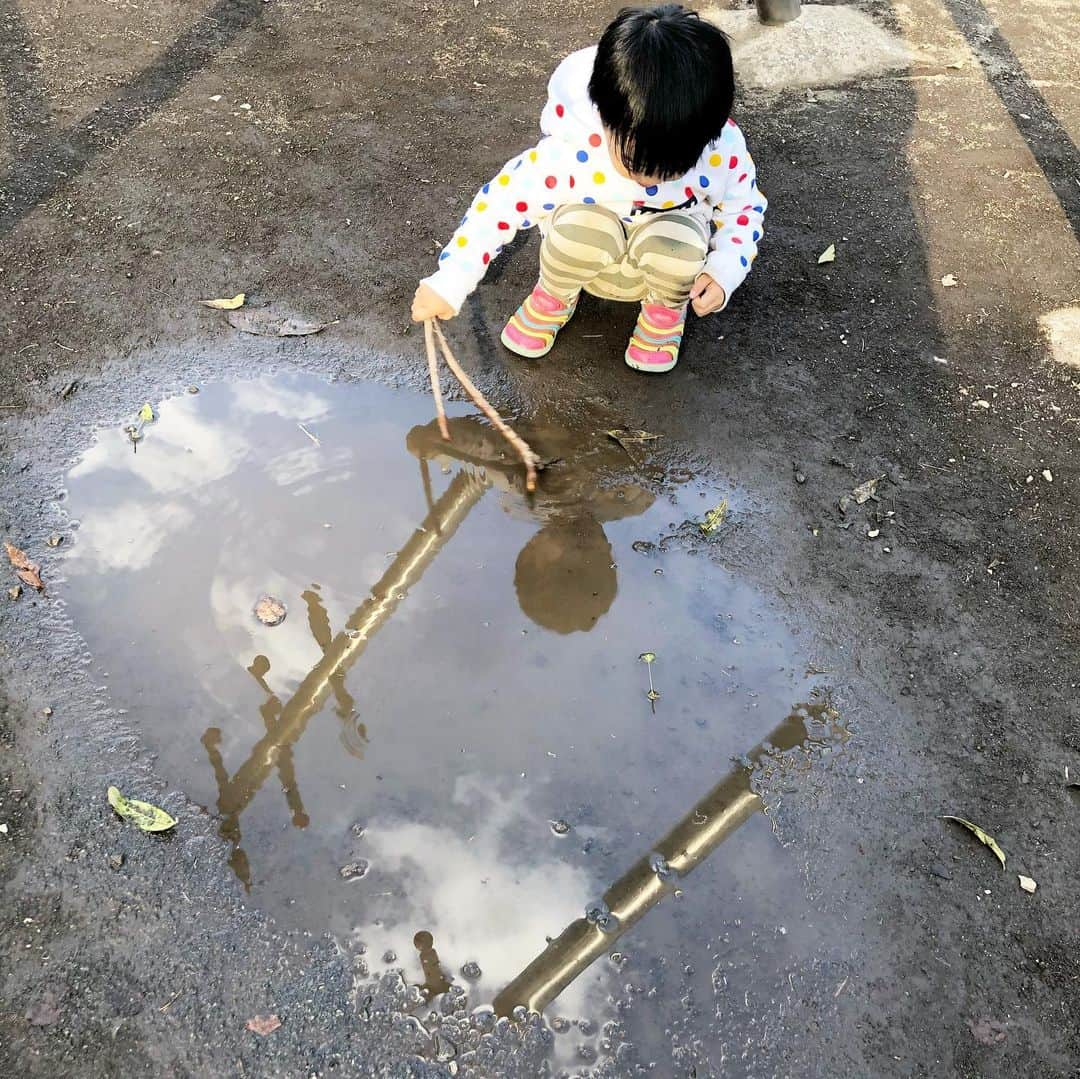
[(571, 164)]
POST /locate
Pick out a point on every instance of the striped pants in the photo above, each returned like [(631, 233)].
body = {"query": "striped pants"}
[(655, 259)]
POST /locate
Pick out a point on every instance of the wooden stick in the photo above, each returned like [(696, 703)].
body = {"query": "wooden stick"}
[(433, 371), (522, 447)]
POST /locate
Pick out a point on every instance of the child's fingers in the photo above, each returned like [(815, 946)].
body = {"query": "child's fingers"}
[(699, 286)]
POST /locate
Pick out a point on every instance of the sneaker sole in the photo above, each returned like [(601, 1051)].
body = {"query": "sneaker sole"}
[(651, 368)]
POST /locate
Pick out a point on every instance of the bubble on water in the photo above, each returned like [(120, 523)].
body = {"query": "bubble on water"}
[(519, 1013), (586, 1053), (658, 864), (559, 827), (678, 893), (560, 1025), (484, 1018), (389, 956), (642, 546), (600, 915), (587, 1027), (357, 830), (471, 970), (658, 571), (354, 870)]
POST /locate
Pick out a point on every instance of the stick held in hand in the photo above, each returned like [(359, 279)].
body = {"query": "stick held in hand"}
[(433, 330)]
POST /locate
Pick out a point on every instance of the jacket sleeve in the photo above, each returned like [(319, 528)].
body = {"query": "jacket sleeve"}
[(528, 187), (739, 214)]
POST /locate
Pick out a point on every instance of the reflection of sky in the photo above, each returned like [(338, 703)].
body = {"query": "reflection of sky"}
[(226, 500), (475, 890)]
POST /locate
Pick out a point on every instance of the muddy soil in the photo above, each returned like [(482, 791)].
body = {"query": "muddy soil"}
[(849, 931)]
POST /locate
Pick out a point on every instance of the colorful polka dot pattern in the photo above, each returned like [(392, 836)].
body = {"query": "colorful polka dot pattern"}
[(558, 171)]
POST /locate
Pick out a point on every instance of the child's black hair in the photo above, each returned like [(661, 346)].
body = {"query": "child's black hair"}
[(664, 84)]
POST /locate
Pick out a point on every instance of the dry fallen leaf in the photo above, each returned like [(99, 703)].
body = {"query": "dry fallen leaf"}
[(230, 304), (146, 413), (263, 1024), (865, 491), (828, 255), (270, 322), (28, 572), (981, 836), (270, 611), (626, 438), (950, 280), (14, 593), (1027, 883)]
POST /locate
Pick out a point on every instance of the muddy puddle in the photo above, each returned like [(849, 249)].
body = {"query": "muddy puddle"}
[(446, 755)]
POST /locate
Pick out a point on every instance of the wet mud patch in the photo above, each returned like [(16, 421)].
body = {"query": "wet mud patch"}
[(443, 748)]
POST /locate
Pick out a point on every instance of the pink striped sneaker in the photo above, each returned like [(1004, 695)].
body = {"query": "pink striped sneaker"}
[(532, 329), (654, 344)]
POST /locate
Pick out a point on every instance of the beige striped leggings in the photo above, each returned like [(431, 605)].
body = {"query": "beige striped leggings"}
[(655, 259)]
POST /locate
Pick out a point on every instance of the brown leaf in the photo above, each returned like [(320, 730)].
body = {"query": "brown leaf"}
[(27, 571), (270, 611), (263, 1024), (271, 322)]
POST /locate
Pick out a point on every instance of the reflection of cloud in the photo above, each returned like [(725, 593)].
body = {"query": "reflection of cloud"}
[(128, 535), (180, 452), (291, 649), (264, 396), (474, 890)]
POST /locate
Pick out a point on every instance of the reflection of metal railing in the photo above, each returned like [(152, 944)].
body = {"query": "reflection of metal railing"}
[(285, 724), (722, 811)]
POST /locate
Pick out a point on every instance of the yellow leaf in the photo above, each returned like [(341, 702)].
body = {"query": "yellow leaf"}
[(230, 304), (828, 255), (148, 817), (981, 836), (146, 413), (714, 519)]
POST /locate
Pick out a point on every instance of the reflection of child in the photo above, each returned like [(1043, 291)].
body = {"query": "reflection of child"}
[(565, 575), (642, 187)]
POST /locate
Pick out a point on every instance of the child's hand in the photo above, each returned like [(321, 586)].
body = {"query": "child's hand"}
[(707, 295), (427, 303)]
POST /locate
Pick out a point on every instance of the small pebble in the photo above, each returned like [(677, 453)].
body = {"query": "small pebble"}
[(471, 970), (1048, 475), (116, 861), (193, 389), (873, 533)]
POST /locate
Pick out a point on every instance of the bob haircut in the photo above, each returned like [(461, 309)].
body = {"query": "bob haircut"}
[(664, 85)]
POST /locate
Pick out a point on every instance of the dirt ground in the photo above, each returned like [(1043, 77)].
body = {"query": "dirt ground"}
[(136, 179)]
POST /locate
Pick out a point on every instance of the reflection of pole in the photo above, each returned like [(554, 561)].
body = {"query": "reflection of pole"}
[(727, 806), (774, 12), (463, 492)]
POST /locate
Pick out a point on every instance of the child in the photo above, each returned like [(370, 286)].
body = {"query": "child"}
[(642, 187)]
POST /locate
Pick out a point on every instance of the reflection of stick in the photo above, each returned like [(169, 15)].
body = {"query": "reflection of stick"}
[(522, 447), (723, 810), (433, 371)]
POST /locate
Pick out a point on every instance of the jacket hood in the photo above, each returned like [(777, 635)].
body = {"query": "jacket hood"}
[(569, 114)]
